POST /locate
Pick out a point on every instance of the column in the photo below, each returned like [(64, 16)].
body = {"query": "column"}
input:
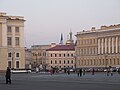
[(117, 44), (113, 44), (109, 44), (106, 45), (102, 46), (98, 46)]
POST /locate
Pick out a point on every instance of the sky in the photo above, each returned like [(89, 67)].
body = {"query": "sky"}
[(47, 19)]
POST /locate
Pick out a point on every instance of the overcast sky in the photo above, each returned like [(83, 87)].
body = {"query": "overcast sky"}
[(47, 19)]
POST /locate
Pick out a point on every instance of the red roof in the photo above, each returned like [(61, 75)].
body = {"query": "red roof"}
[(62, 48)]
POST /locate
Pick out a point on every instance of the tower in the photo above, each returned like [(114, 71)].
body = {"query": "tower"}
[(69, 39), (61, 39)]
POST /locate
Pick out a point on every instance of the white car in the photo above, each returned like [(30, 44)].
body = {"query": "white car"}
[(20, 71)]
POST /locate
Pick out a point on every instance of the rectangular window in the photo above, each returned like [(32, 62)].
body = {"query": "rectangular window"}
[(16, 29), (17, 64), (51, 55), (10, 54), (9, 40), (9, 30), (17, 55), (17, 40)]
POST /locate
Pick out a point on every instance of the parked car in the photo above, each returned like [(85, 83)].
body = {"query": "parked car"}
[(21, 70)]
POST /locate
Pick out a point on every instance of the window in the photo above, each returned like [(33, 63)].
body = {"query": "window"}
[(17, 64), (9, 30), (17, 40), (55, 62), (68, 61), (17, 29), (51, 55), (55, 55), (59, 55), (64, 55), (9, 40), (118, 61), (51, 61), (68, 55), (60, 61), (71, 55), (10, 54), (17, 55), (9, 64), (72, 61), (64, 61)]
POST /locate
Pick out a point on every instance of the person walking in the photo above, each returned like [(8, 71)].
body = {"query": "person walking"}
[(8, 76), (108, 71), (68, 71), (80, 71), (83, 71)]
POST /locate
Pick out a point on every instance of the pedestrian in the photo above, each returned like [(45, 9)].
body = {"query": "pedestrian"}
[(83, 71), (119, 70), (111, 71), (108, 71), (68, 71), (8, 76), (80, 71)]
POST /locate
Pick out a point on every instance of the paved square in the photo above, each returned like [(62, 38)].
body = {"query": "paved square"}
[(39, 81)]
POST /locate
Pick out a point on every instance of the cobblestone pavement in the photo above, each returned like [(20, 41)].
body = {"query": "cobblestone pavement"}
[(43, 81)]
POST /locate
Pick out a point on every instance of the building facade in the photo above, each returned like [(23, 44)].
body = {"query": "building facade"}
[(99, 47), (39, 55), (28, 58), (12, 53), (61, 56)]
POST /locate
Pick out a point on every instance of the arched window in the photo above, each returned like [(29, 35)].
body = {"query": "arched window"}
[(51, 61)]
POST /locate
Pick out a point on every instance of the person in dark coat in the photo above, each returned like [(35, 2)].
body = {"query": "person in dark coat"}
[(80, 71), (8, 76)]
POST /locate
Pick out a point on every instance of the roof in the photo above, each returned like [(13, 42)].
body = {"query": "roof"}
[(62, 48)]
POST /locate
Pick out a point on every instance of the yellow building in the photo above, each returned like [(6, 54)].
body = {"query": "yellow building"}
[(12, 53), (39, 56), (99, 47), (61, 56)]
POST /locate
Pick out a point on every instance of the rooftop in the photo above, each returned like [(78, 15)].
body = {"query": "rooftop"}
[(62, 48)]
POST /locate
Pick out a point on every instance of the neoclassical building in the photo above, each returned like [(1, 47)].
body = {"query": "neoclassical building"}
[(12, 53), (99, 47), (62, 55), (39, 55)]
